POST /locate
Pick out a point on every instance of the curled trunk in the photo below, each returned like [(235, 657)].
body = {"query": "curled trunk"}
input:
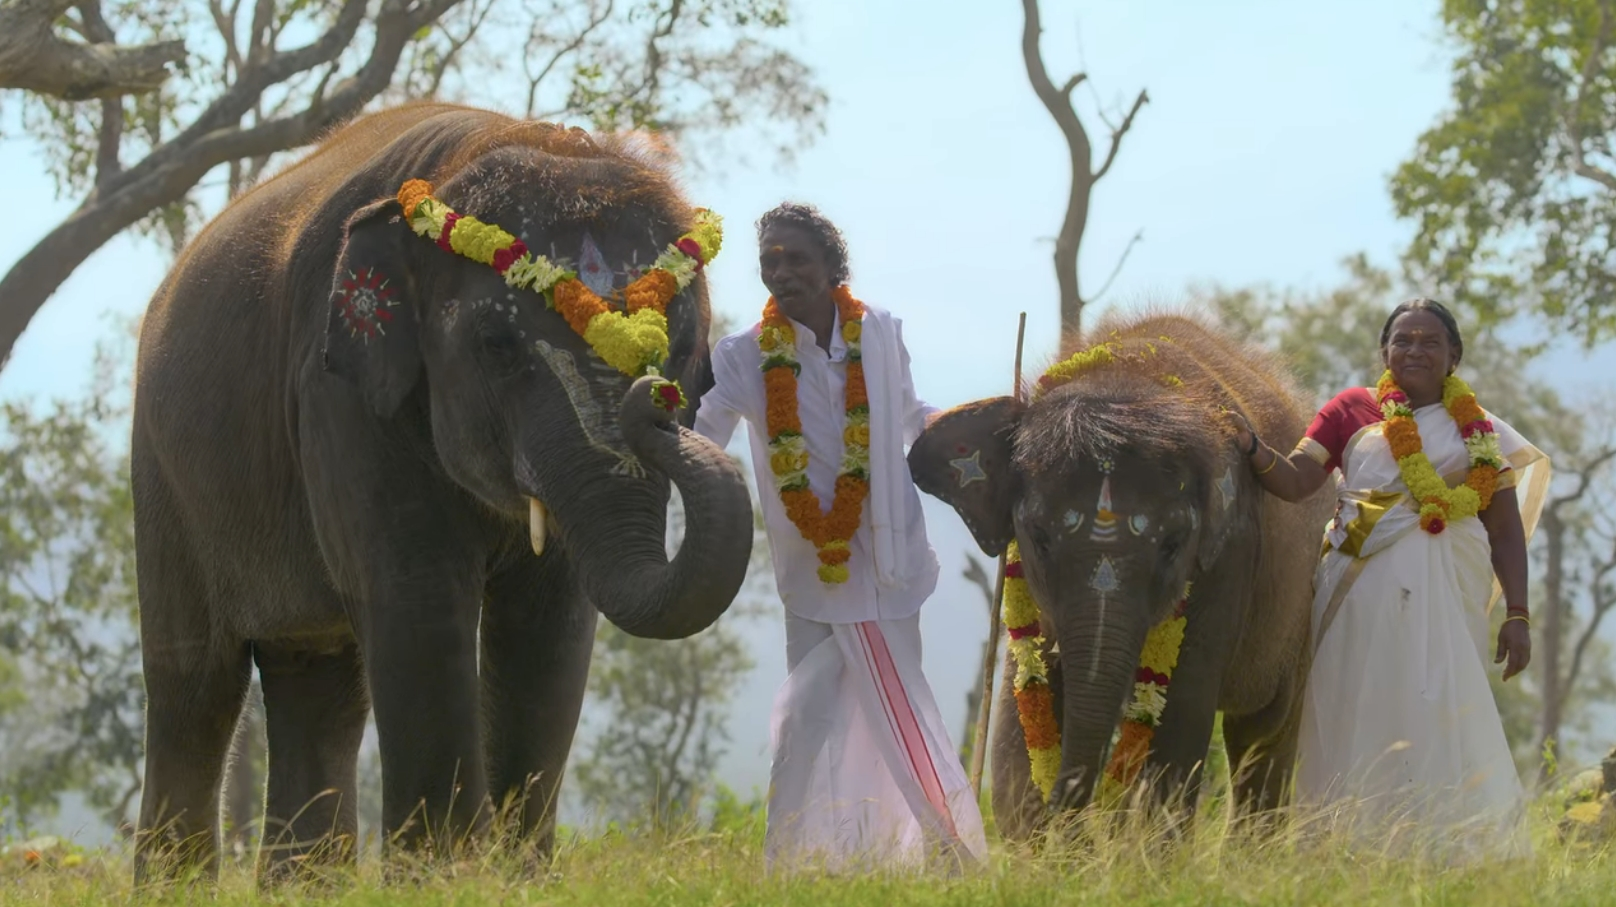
[(617, 538)]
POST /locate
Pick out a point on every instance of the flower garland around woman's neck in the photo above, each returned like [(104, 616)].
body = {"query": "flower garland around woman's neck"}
[(1035, 702), (1439, 504), (633, 341), (830, 532)]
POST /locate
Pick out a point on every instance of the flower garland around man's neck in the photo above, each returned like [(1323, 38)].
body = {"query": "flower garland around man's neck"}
[(1439, 504), (1035, 702), (830, 532), (633, 341)]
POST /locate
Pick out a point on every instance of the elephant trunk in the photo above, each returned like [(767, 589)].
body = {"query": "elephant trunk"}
[(617, 539), (1099, 655)]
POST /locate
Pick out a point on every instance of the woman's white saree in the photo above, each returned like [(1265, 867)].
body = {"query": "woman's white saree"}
[(1400, 734)]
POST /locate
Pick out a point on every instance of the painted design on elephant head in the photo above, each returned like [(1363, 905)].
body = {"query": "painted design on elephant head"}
[(1072, 520), (1107, 581), (1226, 488), (1138, 524), (1105, 519), (593, 271), (364, 299), (601, 432), (969, 468)]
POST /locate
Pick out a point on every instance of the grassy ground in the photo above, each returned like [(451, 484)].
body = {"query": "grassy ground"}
[(1210, 866)]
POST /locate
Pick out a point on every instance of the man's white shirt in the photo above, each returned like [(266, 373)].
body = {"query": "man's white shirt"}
[(738, 395)]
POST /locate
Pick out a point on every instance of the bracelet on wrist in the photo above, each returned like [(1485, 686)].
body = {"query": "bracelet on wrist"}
[(1520, 617), (1273, 460)]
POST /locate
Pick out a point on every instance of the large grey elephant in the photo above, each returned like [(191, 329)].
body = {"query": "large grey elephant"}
[(1122, 488), (339, 431)]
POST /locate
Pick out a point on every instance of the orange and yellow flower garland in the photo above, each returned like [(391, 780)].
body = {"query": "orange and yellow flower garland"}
[(830, 532), (633, 341), (1440, 504), (1035, 702)]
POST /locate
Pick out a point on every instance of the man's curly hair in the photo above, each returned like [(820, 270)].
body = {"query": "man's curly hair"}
[(808, 219)]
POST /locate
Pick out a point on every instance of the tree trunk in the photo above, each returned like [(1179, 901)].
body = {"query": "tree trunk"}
[(1554, 693), (1058, 101)]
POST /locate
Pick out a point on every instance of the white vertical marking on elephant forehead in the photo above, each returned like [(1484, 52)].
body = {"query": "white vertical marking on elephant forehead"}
[(1226, 488), (1105, 520), (599, 430), (1106, 581), (592, 269)]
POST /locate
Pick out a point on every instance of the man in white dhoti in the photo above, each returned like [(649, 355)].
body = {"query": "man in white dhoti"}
[(1438, 496), (864, 773)]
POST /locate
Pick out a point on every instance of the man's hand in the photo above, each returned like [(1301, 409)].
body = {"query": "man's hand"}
[(1514, 643)]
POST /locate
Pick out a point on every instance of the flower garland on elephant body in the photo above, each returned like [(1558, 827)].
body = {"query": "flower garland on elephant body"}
[(1439, 504), (1022, 617), (830, 533), (633, 341)]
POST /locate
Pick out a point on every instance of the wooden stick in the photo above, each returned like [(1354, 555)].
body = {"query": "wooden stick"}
[(990, 659)]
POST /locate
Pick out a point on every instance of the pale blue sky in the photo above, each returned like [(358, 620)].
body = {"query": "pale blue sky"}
[(1262, 157)]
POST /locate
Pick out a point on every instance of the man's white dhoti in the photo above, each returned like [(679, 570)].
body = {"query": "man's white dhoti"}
[(864, 775)]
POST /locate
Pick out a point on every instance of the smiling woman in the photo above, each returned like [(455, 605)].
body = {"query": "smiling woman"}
[(1437, 497)]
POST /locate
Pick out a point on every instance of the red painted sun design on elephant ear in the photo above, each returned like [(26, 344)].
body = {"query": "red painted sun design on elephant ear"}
[(364, 299)]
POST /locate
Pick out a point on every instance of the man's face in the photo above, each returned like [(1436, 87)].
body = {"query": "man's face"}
[(795, 272)]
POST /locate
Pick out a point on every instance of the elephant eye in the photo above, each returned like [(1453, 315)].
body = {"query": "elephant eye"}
[(500, 348), (1040, 540)]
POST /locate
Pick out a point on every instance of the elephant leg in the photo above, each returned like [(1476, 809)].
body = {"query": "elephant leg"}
[(1018, 805), (314, 712), (1179, 747), (193, 698), (538, 631), (1262, 752), (195, 684), (419, 638)]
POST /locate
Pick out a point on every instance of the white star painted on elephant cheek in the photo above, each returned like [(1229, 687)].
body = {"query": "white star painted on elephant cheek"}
[(1226, 488), (969, 468)]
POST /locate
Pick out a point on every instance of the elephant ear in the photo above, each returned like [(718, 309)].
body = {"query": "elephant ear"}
[(964, 459), (372, 331)]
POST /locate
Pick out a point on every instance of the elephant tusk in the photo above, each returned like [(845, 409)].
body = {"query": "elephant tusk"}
[(536, 520)]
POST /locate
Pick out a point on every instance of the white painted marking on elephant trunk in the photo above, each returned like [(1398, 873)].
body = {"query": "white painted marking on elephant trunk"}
[(536, 529), (1105, 582)]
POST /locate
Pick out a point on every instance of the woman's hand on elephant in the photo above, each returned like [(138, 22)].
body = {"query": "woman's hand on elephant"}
[(1244, 434), (1514, 644)]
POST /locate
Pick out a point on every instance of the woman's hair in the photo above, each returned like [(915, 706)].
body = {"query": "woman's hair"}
[(808, 219), (1425, 304)]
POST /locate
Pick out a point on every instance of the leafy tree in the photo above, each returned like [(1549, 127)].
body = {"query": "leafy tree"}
[(1058, 101), (1331, 338), (686, 68), (1513, 190), (70, 682)]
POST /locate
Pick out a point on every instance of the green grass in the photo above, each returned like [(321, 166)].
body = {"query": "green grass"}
[(1131, 866)]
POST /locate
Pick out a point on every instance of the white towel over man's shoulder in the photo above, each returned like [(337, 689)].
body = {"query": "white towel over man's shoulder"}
[(893, 568)]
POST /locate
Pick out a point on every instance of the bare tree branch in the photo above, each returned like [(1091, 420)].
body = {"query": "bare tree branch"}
[(1591, 66), (107, 165), (1603, 601), (33, 57), (1080, 153), (568, 49), (1121, 260), (1119, 132)]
